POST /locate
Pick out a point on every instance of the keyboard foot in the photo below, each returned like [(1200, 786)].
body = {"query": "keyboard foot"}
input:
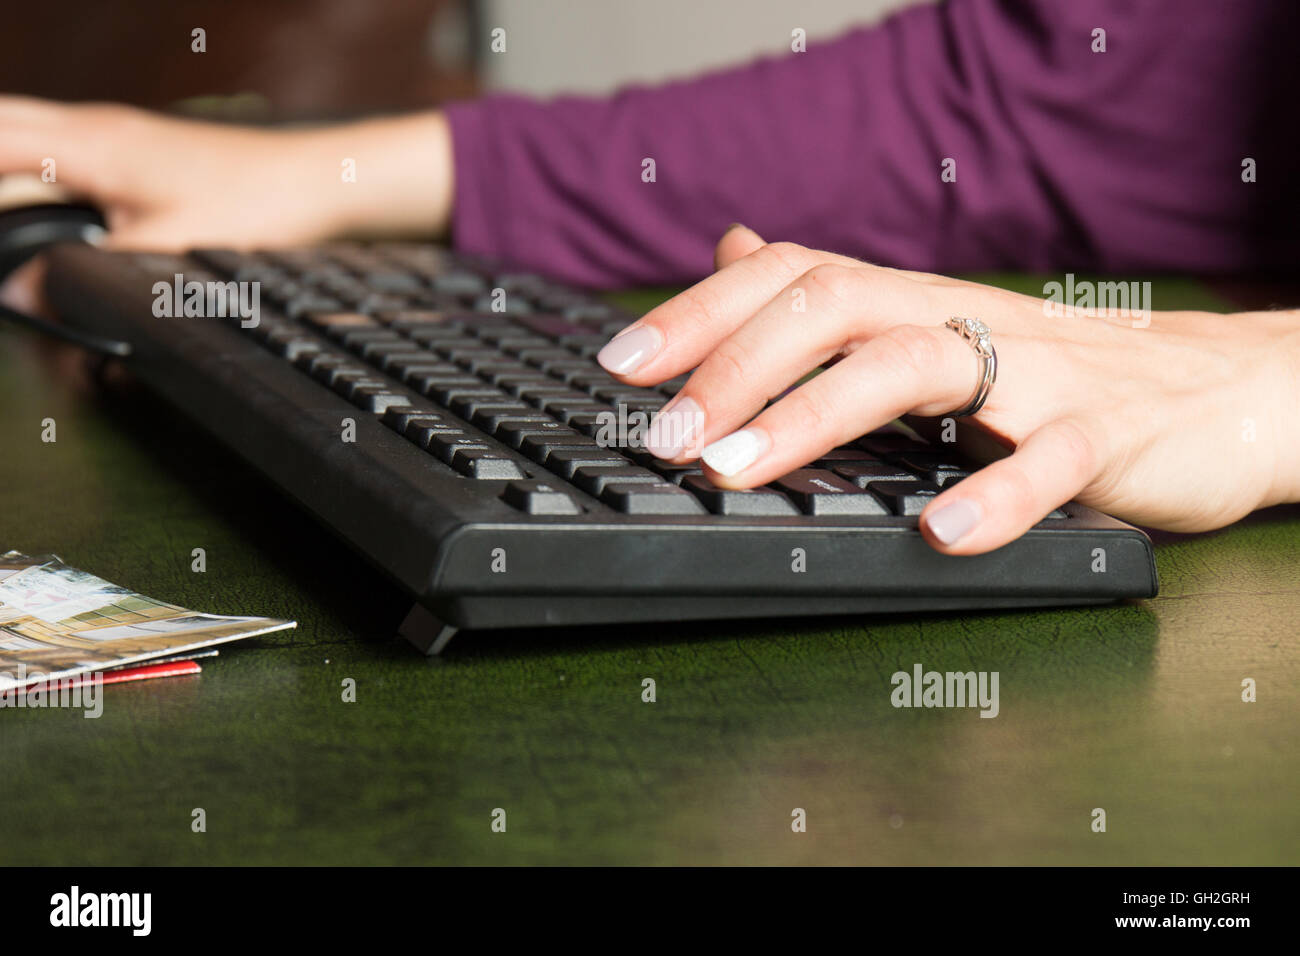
[(425, 631)]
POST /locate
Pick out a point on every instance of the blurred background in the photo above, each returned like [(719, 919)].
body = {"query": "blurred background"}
[(325, 59)]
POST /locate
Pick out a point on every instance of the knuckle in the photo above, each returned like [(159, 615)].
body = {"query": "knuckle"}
[(1078, 451), (729, 365), (1009, 486), (789, 257), (810, 411), (911, 350), (699, 308), (839, 283)]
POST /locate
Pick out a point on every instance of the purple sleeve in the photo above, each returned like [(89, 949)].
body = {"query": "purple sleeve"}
[(1128, 159)]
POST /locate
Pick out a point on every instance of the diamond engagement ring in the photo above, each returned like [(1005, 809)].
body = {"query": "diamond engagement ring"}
[(981, 340)]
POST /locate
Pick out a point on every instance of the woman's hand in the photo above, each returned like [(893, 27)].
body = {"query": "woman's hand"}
[(1186, 424), (166, 183)]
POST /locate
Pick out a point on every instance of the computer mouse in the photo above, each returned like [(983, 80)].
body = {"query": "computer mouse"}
[(26, 230)]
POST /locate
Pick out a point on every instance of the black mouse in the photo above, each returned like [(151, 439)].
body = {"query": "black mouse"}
[(26, 230)]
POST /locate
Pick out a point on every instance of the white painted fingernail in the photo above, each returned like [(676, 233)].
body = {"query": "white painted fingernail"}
[(674, 427), (733, 454), (953, 522), (628, 351)]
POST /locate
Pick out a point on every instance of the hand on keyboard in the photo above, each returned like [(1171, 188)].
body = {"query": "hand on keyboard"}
[(1178, 420)]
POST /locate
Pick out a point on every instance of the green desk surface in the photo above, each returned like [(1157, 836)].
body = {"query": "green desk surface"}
[(1132, 708)]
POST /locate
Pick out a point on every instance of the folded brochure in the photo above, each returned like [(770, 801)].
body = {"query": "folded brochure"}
[(57, 621)]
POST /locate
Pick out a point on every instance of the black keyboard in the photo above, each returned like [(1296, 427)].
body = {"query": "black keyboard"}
[(447, 417)]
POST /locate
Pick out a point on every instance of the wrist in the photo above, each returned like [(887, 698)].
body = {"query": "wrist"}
[(393, 175), (1284, 400)]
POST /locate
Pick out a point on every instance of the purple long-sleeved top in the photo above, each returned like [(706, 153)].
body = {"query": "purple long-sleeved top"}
[(1128, 159)]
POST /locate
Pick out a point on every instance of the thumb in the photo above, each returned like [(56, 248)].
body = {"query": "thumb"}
[(1001, 501), (736, 243)]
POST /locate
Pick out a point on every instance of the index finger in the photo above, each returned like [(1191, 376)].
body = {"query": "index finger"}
[(674, 337)]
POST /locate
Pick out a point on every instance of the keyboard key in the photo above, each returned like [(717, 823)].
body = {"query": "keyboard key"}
[(657, 498), (671, 471), (489, 416), (945, 478), (445, 393), (845, 454), (726, 501), (335, 320), (565, 461), (593, 478), (819, 492), (465, 405), (532, 443), (485, 464), (377, 399), (862, 473), (540, 498), (566, 458), (461, 283), (399, 416), (886, 444), (905, 497), (445, 444), (422, 430), (512, 431)]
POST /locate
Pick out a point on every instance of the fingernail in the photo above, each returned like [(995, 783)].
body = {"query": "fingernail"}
[(734, 226), (628, 351), (674, 427), (733, 454), (953, 522)]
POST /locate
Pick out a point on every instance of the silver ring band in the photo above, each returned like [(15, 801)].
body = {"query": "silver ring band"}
[(981, 341)]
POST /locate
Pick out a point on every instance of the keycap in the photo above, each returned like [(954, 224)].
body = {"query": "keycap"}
[(444, 393), (593, 478), (819, 492), (293, 347), (649, 498), (671, 471), (445, 444), (477, 463), (512, 431), (905, 497), (467, 405), (540, 498), (884, 444), (377, 399), (399, 416), (532, 443), (488, 416), (726, 501), (845, 454), (333, 320), (862, 473), (405, 366), (945, 478), (566, 461), (301, 305), (928, 463), (551, 326), (538, 392), (460, 283), (421, 431)]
